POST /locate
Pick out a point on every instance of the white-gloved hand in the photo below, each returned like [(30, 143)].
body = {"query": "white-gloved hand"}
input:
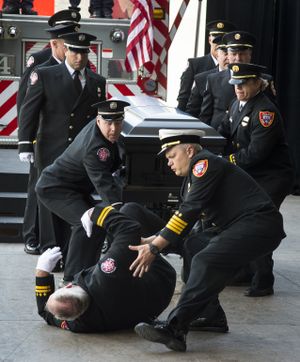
[(26, 157), (87, 222), (48, 260)]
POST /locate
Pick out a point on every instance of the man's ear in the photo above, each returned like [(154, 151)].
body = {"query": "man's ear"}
[(190, 151)]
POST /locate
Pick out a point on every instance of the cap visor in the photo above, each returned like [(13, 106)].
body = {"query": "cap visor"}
[(236, 81)]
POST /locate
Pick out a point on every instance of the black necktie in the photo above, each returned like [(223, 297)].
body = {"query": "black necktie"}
[(241, 106), (77, 82)]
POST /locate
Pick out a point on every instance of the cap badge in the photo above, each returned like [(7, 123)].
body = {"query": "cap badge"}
[(108, 266), (200, 168), (113, 105), (103, 154), (235, 68), (73, 15), (81, 37), (220, 25), (237, 36)]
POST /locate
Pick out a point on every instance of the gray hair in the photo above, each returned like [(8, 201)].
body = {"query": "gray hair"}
[(197, 148), (71, 302)]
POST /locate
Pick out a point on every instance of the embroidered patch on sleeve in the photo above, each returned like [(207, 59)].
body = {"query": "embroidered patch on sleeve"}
[(33, 78), (200, 168), (266, 118), (108, 266), (103, 154)]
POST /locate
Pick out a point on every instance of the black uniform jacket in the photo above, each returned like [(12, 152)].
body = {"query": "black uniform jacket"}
[(117, 299), (223, 193), (87, 164), (195, 66), (257, 142), (53, 110), (195, 101), (217, 98), (34, 60)]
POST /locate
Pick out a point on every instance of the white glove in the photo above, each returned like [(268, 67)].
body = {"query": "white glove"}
[(26, 157), (87, 222), (48, 260)]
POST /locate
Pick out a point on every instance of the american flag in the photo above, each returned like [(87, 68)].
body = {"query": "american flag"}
[(140, 36)]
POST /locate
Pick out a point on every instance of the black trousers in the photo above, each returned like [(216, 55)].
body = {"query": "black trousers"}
[(30, 231), (69, 205), (101, 4), (225, 253), (152, 224), (262, 268)]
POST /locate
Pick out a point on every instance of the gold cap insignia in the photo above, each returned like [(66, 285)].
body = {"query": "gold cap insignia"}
[(220, 25), (235, 68), (237, 36), (81, 37), (113, 105)]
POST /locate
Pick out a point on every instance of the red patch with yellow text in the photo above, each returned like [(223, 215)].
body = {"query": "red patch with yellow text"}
[(266, 118), (200, 168)]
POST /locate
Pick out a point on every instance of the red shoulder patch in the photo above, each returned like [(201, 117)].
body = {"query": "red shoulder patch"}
[(266, 118), (103, 154), (108, 266), (200, 168)]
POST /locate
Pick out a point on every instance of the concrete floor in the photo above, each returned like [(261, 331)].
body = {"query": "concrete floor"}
[(261, 329)]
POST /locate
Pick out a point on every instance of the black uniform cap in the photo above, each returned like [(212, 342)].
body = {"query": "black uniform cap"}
[(217, 27), (241, 72), (61, 29), (173, 137), (78, 42), (111, 110), (64, 17), (239, 40), (220, 42)]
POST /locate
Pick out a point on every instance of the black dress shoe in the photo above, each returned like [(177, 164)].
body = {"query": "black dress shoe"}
[(160, 332), (27, 11), (32, 248), (10, 10), (259, 292), (217, 324)]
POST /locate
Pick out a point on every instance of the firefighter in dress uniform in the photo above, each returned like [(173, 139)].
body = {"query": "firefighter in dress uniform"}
[(256, 143), (195, 101), (219, 93), (105, 297), (62, 22), (247, 225), (201, 64), (55, 109), (88, 164)]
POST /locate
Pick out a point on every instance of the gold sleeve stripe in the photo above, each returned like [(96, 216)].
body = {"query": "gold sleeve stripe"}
[(40, 288), (179, 220), (176, 225), (103, 215)]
